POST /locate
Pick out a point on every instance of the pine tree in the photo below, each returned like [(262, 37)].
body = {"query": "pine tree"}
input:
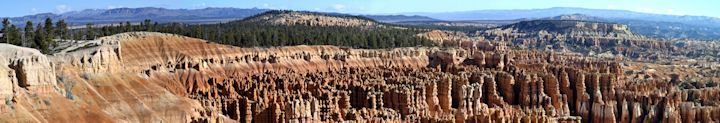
[(105, 31), (40, 39), (14, 35), (128, 26), (29, 33), (155, 27), (5, 30), (147, 25), (62, 29), (49, 29), (120, 27), (89, 33), (49, 32), (197, 32)]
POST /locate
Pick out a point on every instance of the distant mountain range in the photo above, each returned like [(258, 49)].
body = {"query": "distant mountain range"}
[(192, 16), (106, 16), (672, 26), (549, 12)]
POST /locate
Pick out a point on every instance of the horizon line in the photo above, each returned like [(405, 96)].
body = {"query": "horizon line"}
[(352, 13)]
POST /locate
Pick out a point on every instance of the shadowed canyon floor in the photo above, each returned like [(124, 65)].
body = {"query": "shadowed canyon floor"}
[(156, 77)]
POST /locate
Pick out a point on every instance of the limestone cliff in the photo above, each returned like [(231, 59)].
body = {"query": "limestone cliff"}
[(291, 18), (155, 77), (32, 70), (588, 38)]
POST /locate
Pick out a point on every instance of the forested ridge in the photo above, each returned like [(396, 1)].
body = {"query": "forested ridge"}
[(238, 33)]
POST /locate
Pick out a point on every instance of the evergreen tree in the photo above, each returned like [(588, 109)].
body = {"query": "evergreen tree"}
[(29, 33), (62, 29), (49, 29), (147, 25), (89, 33), (121, 27), (128, 26), (155, 26), (105, 31), (49, 34), (14, 35), (5, 30), (40, 39), (175, 28), (197, 32)]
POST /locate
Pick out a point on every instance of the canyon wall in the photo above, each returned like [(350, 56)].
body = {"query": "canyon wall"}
[(155, 77)]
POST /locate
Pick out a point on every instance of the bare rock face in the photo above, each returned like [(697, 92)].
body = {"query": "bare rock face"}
[(445, 37), (569, 26), (7, 82), (589, 38), (97, 56), (155, 77), (462, 40), (32, 69), (311, 19)]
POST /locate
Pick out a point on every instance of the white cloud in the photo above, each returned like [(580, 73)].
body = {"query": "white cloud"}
[(338, 7), (33, 11), (673, 12), (201, 5), (653, 11), (644, 10), (62, 8), (268, 6), (114, 7), (611, 7)]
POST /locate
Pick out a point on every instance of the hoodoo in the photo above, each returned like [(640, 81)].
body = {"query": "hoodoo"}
[(555, 65), (156, 77)]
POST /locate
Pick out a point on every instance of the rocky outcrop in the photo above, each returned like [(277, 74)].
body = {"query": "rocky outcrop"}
[(462, 40), (32, 69), (291, 18), (570, 27), (7, 83), (96, 56), (445, 37), (40, 88), (589, 38)]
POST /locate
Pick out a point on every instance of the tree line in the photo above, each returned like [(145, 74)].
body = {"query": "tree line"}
[(240, 33), (38, 36), (237, 33), (252, 34)]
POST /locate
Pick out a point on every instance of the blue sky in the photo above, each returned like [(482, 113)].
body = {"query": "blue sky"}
[(15, 8)]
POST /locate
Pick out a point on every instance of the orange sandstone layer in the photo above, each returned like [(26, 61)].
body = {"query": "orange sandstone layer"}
[(154, 77)]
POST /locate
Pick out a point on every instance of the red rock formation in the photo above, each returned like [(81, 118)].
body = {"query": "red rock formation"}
[(311, 19), (153, 77)]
